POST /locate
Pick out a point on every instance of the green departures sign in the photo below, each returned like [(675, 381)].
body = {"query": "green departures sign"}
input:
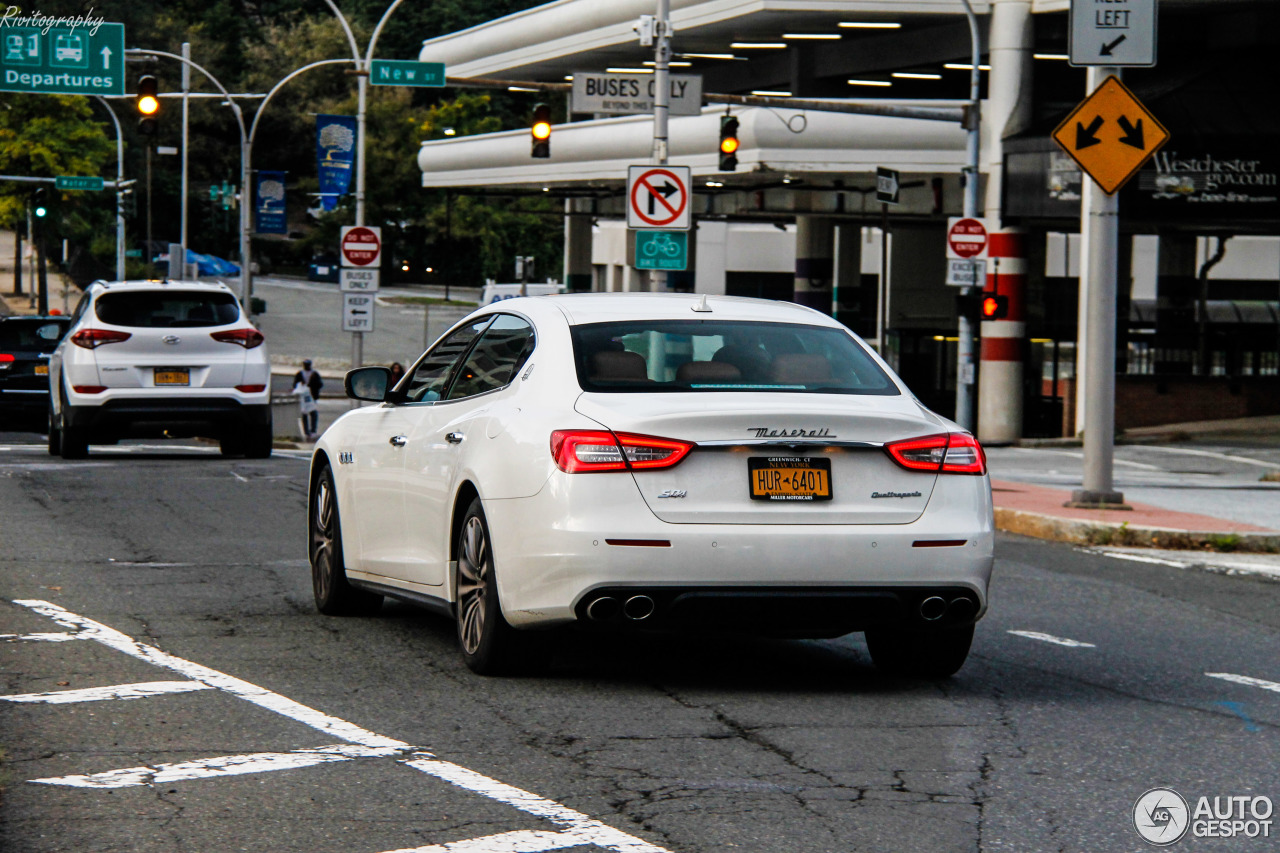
[(80, 58)]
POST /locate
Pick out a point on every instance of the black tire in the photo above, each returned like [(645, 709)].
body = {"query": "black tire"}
[(73, 442), (257, 441), (231, 444), (334, 594), (937, 653), (55, 435), (488, 644)]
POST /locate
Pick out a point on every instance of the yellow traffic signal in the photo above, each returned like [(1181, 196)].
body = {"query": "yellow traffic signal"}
[(540, 130), (148, 103), (728, 143)]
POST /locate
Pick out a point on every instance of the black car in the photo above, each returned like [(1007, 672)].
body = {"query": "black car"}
[(324, 268), (26, 343)]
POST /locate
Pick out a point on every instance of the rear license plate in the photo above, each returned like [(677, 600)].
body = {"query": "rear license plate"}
[(789, 478), (172, 376), (42, 370)]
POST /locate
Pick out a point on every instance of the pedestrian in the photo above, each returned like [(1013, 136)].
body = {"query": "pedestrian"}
[(397, 371), (306, 387), (310, 378)]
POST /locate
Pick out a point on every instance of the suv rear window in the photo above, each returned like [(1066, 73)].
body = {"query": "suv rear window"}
[(42, 335), (657, 356), (167, 308)]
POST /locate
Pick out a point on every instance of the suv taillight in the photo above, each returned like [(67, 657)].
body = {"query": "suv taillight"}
[(580, 451), (247, 338), (94, 338), (954, 453)]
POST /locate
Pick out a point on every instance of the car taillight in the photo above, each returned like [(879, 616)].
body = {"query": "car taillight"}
[(578, 451), (955, 453), (251, 389), (88, 389), (6, 361), (247, 338), (94, 338)]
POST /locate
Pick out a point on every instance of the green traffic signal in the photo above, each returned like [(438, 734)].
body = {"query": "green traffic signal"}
[(39, 205)]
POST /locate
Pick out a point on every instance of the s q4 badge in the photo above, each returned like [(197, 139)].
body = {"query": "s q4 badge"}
[(672, 493)]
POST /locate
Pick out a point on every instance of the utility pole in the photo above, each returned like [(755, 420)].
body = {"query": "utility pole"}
[(1102, 237), (661, 103), (186, 108)]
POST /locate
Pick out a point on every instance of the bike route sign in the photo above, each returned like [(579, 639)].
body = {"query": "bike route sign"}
[(658, 197), (63, 60), (662, 250)]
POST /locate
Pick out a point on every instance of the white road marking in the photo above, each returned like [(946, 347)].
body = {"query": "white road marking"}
[(236, 474), (57, 637), (250, 692), (227, 765), (579, 828), (1074, 455), (522, 841), (1137, 558), (1246, 680), (1213, 455), (116, 691), (1057, 641)]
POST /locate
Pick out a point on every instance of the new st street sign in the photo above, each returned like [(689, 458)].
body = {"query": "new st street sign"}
[(63, 60), (1110, 134)]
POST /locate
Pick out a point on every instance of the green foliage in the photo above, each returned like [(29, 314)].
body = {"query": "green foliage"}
[(46, 136)]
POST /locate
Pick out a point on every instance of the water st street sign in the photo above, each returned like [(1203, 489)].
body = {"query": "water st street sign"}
[(80, 60), (662, 250), (1113, 32), (78, 182), (1110, 134), (404, 72)]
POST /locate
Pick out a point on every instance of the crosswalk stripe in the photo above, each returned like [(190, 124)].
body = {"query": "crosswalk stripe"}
[(115, 691)]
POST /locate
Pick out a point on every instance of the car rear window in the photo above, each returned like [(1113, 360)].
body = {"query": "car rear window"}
[(40, 335), (722, 355), (168, 308)]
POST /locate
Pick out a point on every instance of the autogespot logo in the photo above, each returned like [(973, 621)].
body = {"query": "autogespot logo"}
[(1160, 816)]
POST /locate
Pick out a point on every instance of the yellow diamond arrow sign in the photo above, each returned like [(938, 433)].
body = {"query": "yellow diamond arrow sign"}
[(1111, 134)]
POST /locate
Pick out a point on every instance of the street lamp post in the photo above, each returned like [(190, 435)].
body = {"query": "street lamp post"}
[(119, 189), (362, 88)]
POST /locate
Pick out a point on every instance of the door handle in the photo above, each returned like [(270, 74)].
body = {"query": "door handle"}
[(453, 438), (399, 440)]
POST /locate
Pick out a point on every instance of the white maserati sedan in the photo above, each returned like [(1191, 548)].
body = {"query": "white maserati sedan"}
[(655, 461)]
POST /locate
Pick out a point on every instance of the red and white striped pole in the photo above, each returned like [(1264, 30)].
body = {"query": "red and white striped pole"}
[(1003, 347)]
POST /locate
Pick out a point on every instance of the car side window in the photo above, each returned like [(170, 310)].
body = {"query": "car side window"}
[(429, 378), (495, 359)]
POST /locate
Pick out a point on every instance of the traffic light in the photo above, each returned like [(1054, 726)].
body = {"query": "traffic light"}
[(541, 131), (148, 104), (40, 203), (994, 306), (728, 144)]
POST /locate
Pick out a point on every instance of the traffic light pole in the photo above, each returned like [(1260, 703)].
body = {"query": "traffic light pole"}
[(966, 369), (119, 189)]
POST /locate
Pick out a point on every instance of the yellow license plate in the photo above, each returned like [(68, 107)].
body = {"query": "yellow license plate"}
[(789, 478), (42, 370), (169, 376)]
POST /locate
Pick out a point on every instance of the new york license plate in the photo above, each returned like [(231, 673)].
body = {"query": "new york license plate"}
[(172, 376), (42, 370), (789, 478)]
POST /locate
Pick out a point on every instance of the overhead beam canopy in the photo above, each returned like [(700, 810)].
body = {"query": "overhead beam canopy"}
[(775, 143)]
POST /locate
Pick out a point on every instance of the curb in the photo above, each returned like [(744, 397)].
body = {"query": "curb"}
[(1057, 529)]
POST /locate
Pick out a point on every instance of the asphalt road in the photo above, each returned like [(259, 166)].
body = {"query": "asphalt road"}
[(173, 568)]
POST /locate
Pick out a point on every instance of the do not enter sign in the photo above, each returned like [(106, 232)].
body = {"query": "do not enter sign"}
[(966, 238), (361, 245)]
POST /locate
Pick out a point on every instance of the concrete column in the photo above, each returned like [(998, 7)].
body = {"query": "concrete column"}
[(1003, 342), (815, 261), (577, 244), (846, 287), (1010, 43)]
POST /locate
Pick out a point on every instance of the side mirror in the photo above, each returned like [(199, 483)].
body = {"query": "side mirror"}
[(367, 383)]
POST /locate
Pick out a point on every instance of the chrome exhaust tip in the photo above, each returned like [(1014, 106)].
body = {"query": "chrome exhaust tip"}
[(933, 608), (962, 609), (638, 607), (604, 607)]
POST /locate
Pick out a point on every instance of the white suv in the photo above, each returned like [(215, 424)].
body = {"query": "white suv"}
[(150, 358)]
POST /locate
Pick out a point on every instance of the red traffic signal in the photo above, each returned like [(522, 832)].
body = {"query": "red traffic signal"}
[(994, 306), (540, 131)]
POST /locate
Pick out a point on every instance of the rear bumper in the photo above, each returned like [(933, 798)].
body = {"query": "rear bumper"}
[(554, 556), (178, 417)]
